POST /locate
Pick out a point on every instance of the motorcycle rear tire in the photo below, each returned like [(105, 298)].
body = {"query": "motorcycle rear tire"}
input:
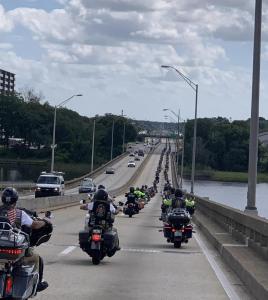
[(96, 260), (177, 244), (130, 216)]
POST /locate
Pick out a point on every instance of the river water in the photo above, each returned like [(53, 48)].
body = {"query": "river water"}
[(231, 194)]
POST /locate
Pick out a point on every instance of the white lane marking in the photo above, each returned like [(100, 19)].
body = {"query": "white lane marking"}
[(67, 250), (140, 250), (227, 286), (234, 245)]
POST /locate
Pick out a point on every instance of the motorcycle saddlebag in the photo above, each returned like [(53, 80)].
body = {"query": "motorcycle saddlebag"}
[(188, 231), (110, 239), (178, 217), (83, 237), (24, 282)]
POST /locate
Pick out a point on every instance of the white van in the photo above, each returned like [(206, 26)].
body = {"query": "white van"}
[(50, 184)]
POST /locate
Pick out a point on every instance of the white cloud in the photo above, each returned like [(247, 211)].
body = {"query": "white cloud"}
[(6, 24)]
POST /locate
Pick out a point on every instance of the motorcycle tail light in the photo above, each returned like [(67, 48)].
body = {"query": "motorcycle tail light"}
[(173, 230), (96, 238), (11, 251), (9, 284)]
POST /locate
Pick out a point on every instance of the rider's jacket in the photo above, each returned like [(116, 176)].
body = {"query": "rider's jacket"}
[(16, 217), (131, 198)]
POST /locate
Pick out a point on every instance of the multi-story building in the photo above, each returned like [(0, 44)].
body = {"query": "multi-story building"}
[(7, 82)]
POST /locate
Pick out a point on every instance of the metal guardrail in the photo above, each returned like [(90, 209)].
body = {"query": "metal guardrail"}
[(248, 229)]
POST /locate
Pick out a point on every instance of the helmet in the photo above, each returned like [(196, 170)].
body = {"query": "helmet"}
[(132, 190), (9, 196), (137, 188), (178, 193), (101, 187), (101, 195)]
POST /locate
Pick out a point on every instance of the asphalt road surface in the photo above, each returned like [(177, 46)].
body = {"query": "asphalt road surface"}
[(145, 268), (111, 181)]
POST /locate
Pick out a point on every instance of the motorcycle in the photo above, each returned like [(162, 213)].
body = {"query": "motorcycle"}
[(130, 209), (176, 228), (18, 280), (98, 241)]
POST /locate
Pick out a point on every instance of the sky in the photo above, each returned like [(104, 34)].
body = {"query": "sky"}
[(111, 51)]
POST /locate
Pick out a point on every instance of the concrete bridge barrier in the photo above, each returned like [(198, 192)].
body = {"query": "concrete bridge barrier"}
[(240, 238)]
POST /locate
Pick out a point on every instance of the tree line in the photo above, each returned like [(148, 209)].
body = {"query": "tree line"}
[(31, 120), (223, 144)]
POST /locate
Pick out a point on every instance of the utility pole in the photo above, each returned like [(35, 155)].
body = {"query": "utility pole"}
[(124, 134), (112, 142), (93, 146), (254, 121)]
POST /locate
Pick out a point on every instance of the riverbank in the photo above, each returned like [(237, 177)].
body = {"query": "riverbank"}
[(225, 176)]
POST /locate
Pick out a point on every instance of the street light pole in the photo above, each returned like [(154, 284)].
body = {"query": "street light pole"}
[(194, 141), (53, 146), (93, 146), (124, 134), (112, 142), (194, 86), (182, 156), (254, 121)]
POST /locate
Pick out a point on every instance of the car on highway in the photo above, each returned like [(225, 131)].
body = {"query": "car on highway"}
[(132, 154), (137, 158), (87, 186), (50, 184), (110, 170), (141, 152), (131, 164)]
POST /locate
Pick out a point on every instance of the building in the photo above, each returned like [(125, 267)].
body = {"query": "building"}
[(7, 82)]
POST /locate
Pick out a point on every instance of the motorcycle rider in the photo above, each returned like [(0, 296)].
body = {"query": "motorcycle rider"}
[(101, 209), (178, 201), (18, 218), (132, 198)]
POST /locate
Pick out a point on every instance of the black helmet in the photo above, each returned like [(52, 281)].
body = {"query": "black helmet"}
[(132, 190), (9, 196), (178, 193), (101, 187), (101, 195)]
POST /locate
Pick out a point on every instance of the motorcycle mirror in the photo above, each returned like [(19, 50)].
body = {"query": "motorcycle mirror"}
[(160, 230), (83, 201)]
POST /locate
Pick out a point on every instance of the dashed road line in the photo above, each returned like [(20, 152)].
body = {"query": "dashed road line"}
[(68, 250)]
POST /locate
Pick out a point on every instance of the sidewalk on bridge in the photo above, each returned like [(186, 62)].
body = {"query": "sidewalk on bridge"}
[(250, 267)]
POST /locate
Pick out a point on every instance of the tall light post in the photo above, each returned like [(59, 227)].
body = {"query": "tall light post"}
[(182, 155), (254, 121), (53, 146), (112, 141), (178, 135), (194, 86), (93, 146), (124, 135)]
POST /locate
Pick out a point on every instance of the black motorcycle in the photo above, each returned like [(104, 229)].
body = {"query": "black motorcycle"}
[(177, 228), (18, 280), (130, 209), (99, 241)]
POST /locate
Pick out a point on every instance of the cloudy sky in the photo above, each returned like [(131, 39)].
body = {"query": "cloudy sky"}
[(111, 52)]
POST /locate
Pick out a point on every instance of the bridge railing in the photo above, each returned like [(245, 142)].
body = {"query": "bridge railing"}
[(248, 229)]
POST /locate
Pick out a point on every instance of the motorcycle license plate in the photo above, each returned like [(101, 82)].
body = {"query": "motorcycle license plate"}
[(177, 233)]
